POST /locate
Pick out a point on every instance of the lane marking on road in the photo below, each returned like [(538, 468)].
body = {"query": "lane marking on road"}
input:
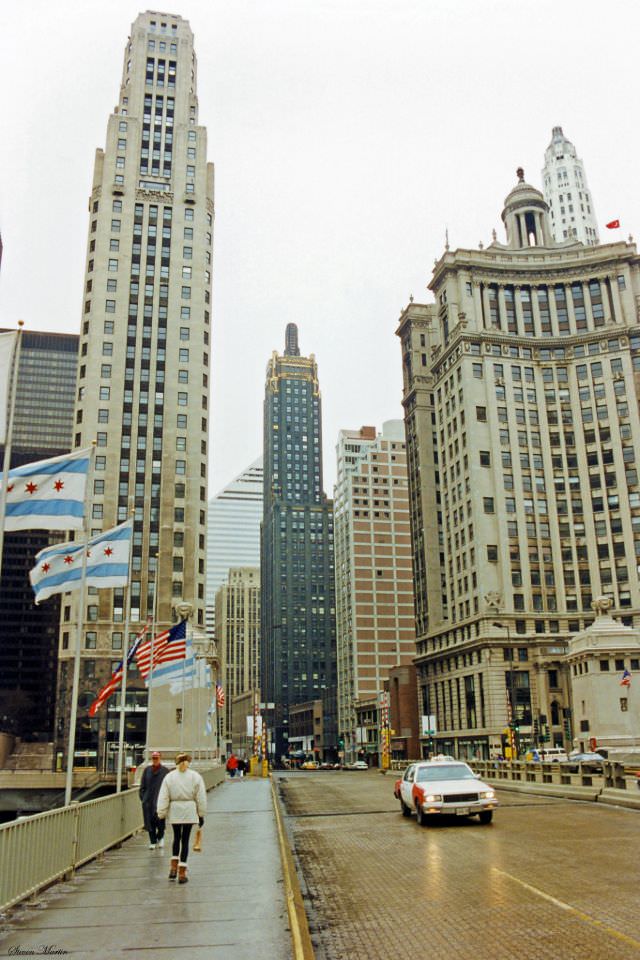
[(585, 917)]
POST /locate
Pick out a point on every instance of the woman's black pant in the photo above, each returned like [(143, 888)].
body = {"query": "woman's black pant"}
[(181, 833)]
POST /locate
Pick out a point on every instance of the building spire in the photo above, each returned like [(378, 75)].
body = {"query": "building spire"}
[(291, 348)]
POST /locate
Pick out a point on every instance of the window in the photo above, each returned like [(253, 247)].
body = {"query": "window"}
[(485, 458), (604, 666), (110, 306), (183, 399), (90, 640), (478, 371), (492, 552), (481, 414), (488, 504)]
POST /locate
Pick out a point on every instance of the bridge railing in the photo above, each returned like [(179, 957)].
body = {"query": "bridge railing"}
[(562, 779), (41, 849)]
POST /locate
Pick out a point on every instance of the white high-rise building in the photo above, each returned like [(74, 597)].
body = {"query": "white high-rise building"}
[(571, 210), (143, 368), (233, 532)]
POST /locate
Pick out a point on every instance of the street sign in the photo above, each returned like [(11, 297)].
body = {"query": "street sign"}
[(428, 725)]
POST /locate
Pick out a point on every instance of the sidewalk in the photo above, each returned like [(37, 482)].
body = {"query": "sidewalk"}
[(233, 907)]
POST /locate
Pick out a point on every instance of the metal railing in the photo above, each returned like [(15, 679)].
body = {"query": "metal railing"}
[(41, 849), (612, 782)]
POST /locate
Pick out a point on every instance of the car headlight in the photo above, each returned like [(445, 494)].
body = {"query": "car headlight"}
[(433, 798), (488, 795)]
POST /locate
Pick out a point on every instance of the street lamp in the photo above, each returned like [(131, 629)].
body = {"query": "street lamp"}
[(512, 693)]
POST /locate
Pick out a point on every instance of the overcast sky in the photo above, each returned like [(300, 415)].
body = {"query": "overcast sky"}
[(346, 136)]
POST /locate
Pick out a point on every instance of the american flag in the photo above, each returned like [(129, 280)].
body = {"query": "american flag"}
[(219, 694), (168, 646), (112, 685), (625, 680)]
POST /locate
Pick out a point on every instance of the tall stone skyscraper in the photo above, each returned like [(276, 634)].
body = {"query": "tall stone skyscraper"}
[(573, 216), (523, 431), (143, 374), (298, 633)]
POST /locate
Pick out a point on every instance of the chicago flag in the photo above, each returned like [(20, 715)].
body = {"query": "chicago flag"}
[(59, 569), (48, 494)]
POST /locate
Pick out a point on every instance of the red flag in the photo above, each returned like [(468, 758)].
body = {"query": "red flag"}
[(112, 685), (219, 694), (613, 225)]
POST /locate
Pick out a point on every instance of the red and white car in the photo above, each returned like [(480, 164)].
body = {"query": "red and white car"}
[(444, 786)]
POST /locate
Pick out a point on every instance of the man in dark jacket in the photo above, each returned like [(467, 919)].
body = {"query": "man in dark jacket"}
[(149, 789)]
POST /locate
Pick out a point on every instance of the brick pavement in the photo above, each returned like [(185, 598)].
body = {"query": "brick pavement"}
[(549, 879)]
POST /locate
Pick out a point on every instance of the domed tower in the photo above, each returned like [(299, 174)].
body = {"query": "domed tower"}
[(526, 217)]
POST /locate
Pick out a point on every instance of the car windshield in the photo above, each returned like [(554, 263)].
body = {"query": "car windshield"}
[(444, 771)]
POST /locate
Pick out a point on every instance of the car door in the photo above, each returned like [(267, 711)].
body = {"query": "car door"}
[(406, 785)]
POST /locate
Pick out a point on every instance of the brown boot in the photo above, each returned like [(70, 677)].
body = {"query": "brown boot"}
[(182, 873), (173, 871)]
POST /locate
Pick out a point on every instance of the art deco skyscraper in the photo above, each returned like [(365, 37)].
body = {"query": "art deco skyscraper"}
[(566, 190), (298, 633), (143, 375)]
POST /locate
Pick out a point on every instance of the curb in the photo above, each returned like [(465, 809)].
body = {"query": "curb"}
[(300, 936)]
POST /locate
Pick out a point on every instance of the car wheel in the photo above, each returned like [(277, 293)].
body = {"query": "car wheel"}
[(406, 811), (486, 816), (421, 816)]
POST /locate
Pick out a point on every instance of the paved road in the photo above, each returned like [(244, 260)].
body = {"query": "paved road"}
[(548, 879)]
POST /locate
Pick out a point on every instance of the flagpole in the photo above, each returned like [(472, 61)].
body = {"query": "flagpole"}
[(150, 674), (9, 435), (80, 624), (184, 719), (125, 663)]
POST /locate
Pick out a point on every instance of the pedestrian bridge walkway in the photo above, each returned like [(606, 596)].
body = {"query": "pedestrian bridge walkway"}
[(123, 906)]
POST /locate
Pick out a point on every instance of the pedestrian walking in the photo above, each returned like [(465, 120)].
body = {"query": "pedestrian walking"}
[(183, 798), (232, 765), (150, 784)]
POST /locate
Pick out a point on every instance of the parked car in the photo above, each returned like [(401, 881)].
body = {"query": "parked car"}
[(357, 765), (589, 762), (436, 787), (310, 765)]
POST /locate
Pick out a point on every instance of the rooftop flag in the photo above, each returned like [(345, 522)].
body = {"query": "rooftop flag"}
[(7, 344), (48, 494), (613, 225), (112, 685), (59, 569)]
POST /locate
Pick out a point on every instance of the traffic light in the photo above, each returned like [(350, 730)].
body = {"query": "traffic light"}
[(340, 743), (567, 728)]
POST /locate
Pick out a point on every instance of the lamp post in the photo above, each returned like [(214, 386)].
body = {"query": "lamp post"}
[(513, 735)]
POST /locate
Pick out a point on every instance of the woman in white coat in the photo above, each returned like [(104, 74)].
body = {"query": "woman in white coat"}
[(183, 796)]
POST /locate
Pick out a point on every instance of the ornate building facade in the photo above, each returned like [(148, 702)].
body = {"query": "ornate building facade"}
[(521, 414)]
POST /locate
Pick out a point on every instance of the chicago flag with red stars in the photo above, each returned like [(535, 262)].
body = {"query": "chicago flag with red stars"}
[(48, 494), (59, 569)]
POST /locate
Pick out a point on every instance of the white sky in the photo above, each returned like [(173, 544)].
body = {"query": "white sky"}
[(346, 134)]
